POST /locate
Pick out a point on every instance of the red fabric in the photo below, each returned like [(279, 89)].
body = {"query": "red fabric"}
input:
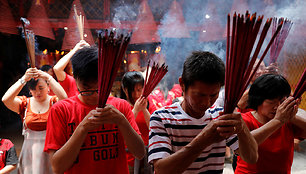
[(157, 97), (144, 130), (34, 121), (103, 149), (39, 21), (69, 86), (175, 92), (244, 110), (5, 145), (275, 153), (7, 21)]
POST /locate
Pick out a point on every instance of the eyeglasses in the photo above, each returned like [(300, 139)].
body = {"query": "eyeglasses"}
[(88, 92)]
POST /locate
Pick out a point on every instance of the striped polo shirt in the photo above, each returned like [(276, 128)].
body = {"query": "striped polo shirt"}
[(171, 129)]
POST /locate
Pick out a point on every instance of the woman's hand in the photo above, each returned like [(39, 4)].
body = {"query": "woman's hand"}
[(30, 73), (287, 110), (44, 75), (140, 105)]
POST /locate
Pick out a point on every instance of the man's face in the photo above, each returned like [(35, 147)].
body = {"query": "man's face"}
[(199, 97), (88, 92)]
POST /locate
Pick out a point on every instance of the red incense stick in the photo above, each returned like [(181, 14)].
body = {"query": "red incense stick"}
[(112, 46), (245, 29), (151, 80)]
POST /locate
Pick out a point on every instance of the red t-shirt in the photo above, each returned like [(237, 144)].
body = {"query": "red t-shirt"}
[(69, 86), (275, 153), (144, 130), (7, 156), (104, 148)]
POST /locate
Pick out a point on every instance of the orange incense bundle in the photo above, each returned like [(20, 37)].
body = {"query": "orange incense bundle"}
[(279, 41), (80, 22), (238, 52), (112, 46), (156, 74), (301, 86), (29, 37)]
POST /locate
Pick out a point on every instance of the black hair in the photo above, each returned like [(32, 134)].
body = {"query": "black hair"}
[(33, 83), (46, 68), (205, 67), (268, 86), (85, 65), (129, 81)]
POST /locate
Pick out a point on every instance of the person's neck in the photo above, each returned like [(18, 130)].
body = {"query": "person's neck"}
[(87, 102), (190, 111), (260, 118), (42, 101)]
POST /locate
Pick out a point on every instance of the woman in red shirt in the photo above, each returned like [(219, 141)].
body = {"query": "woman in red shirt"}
[(274, 125), (131, 90)]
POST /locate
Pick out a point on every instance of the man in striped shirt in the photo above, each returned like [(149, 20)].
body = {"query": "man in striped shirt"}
[(190, 137)]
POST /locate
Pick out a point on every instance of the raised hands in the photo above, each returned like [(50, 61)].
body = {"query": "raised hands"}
[(140, 105), (81, 45), (287, 110), (224, 127), (107, 115), (31, 73)]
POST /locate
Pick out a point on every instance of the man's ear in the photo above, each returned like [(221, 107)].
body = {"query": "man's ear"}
[(182, 84)]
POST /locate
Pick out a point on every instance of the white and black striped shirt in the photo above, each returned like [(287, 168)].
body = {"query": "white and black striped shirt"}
[(171, 129)]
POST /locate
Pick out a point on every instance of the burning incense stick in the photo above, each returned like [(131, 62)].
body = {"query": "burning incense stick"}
[(245, 29), (301, 86), (30, 41), (112, 46), (151, 80), (80, 22), (278, 43)]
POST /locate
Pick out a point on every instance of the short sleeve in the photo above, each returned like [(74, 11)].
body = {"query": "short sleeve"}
[(22, 106), (69, 85), (11, 158), (56, 134), (159, 140)]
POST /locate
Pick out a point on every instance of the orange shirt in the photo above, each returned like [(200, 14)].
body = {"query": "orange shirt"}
[(34, 121)]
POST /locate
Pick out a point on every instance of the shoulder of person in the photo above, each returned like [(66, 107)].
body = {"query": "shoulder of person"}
[(214, 111), (64, 102)]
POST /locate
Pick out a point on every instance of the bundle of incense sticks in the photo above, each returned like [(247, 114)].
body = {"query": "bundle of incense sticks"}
[(238, 52), (112, 45), (80, 22), (29, 37), (279, 41), (301, 86), (151, 80)]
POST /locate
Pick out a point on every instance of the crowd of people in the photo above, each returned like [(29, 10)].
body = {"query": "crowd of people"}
[(65, 132)]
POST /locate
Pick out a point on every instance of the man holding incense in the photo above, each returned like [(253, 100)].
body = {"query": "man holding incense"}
[(82, 138), (64, 79), (191, 136)]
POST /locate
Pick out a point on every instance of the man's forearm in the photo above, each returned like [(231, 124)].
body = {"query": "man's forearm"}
[(133, 141), (64, 158), (184, 157), (248, 147)]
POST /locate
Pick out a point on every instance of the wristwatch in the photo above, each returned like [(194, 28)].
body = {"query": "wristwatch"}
[(22, 81)]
